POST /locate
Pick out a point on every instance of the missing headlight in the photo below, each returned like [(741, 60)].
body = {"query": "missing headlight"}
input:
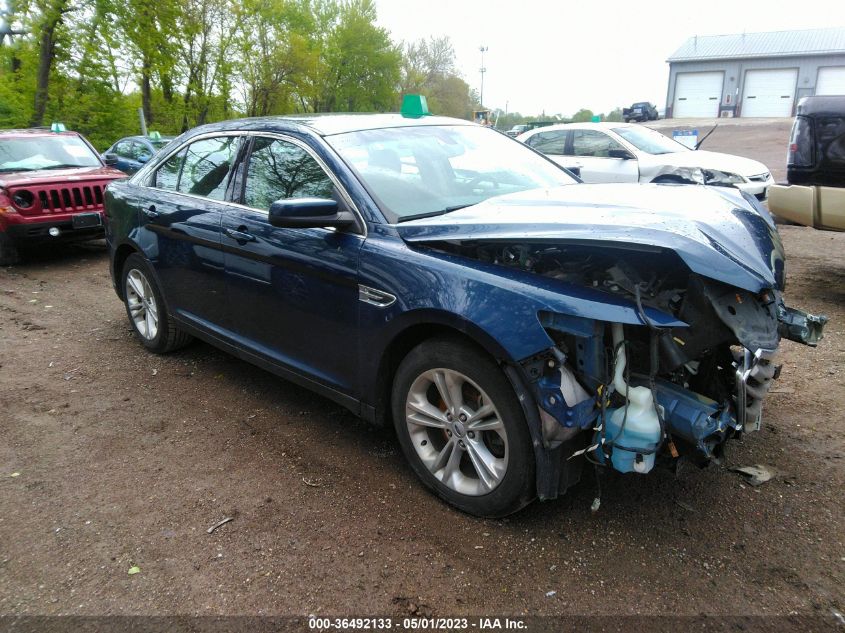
[(23, 199)]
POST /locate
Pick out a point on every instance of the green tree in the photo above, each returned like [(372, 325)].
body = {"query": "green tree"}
[(428, 68), (274, 51), (583, 115), (359, 68), (614, 115)]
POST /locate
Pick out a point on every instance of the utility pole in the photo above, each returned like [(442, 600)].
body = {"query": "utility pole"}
[(483, 70)]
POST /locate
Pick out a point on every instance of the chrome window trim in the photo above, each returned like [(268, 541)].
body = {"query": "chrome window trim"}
[(143, 176)]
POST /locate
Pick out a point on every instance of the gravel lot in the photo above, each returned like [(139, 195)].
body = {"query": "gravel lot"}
[(112, 458)]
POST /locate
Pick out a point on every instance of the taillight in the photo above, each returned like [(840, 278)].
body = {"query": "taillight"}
[(802, 144)]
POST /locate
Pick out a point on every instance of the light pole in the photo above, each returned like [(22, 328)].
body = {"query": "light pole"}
[(483, 70)]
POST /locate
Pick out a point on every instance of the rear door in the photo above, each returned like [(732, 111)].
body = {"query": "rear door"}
[(552, 143), (591, 150), (293, 292), (180, 223)]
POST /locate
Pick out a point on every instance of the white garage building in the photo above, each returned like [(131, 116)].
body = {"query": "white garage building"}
[(754, 74)]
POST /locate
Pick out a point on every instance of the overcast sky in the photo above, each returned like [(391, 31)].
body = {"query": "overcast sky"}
[(558, 57)]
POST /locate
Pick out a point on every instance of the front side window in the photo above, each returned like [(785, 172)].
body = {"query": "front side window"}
[(279, 170), (593, 143), (167, 176), (123, 149), (549, 142), (206, 167), (141, 152)]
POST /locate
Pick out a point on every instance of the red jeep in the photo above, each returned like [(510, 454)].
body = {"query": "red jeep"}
[(51, 189)]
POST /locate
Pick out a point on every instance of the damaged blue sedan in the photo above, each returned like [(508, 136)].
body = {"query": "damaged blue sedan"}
[(512, 322)]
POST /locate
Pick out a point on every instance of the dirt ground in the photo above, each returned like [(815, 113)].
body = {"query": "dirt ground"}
[(112, 458)]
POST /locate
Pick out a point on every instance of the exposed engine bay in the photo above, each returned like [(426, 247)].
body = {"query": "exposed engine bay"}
[(635, 392)]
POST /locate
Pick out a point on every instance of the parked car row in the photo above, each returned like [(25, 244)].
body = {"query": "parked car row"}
[(510, 320)]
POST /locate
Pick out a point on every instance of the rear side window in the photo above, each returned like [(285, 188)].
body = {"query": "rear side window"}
[(207, 165), (831, 138), (549, 142), (802, 144), (167, 176), (279, 170)]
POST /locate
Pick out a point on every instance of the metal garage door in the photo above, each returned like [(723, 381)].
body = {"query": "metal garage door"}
[(769, 92), (831, 81), (697, 94)]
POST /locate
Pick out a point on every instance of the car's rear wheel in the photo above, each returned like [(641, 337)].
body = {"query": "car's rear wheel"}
[(462, 428), (146, 309)]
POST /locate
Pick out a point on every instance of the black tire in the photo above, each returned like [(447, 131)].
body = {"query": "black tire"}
[(510, 443), (166, 337), (9, 254)]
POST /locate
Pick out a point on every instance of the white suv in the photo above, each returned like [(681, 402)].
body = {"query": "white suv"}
[(622, 152)]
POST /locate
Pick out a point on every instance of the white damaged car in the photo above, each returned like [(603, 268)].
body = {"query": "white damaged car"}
[(623, 152)]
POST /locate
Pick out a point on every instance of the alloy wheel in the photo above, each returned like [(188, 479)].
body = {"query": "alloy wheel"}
[(457, 431), (142, 304)]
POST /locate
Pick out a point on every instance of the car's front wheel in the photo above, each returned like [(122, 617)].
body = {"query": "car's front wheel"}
[(462, 428), (146, 309)]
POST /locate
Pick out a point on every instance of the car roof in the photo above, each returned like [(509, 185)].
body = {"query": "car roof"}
[(329, 124), (140, 137), (833, 105)]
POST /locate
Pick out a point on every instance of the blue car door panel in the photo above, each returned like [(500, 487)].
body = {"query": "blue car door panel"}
[(293, 292)]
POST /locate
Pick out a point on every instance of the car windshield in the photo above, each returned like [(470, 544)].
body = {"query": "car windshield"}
[(649, 141), (428, 170), (45, 152), (159, 143)]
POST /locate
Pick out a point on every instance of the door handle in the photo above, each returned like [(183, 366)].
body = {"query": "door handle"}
[(151, 212), (240, 235)]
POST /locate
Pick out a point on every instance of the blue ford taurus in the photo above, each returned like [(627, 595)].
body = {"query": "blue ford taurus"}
[(512, 322)]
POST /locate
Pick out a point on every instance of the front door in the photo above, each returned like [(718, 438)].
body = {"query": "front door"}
[(293, 293), (591, 151)]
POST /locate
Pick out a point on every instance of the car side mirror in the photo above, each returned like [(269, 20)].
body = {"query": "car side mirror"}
[(110, 160), (304, 213), (624, 154), (143, 158)]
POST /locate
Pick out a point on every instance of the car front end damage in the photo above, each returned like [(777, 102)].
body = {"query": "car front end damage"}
[(701, 382), (689, 372), (707, 383)]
